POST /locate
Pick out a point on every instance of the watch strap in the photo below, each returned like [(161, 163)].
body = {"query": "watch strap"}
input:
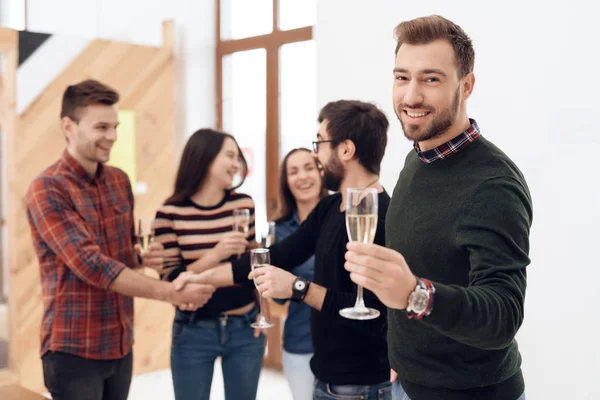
[(424, 284)]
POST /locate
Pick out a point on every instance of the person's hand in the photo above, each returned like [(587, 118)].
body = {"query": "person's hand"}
[(273, 282), (194, 281), (192, 296), (232, 243), (152, 257), (382, 271), (254, 245), (393, 376), (186, 277)]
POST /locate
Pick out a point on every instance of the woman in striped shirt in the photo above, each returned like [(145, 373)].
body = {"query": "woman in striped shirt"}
[(195, 228)]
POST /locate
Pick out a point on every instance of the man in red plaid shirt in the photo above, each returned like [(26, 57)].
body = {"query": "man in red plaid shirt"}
[(81, 217)]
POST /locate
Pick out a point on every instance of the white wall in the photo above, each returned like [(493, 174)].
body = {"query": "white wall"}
[(140, 22), (536, 97)]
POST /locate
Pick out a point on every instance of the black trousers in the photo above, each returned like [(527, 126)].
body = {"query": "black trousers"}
[(69, 377)]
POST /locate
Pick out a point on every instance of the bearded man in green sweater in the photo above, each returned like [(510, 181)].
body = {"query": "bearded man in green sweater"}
[(457, 233)]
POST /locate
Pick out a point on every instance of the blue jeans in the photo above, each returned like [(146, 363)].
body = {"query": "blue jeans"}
[(325, 391), (400, 394), (197, 344), (296, 368)]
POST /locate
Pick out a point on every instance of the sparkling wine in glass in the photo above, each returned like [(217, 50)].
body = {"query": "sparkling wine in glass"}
[(260, 258), (145, 232), (361, 225), (241, 220)]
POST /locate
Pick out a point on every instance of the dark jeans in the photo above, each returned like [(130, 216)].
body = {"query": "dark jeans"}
[(400, 394), (325, 391), (69, 377), (198, 343)]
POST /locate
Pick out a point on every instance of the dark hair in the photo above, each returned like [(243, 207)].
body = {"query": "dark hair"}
[(286, 203), (199, 153), (76, 97), (362, 123), (434, 27)]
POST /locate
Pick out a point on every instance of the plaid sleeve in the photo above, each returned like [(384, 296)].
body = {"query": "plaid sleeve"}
[(64, 231), (164, 233)]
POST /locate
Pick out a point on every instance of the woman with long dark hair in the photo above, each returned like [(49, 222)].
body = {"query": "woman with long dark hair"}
[(195, 228), (300, 189)]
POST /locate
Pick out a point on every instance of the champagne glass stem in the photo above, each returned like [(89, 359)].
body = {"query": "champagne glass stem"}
[(261, 305), (360, 302)]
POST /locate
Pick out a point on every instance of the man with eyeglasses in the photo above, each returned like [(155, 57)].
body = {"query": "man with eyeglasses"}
[(350, 356)]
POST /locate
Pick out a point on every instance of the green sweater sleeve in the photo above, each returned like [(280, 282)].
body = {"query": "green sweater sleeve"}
[(494, 232)]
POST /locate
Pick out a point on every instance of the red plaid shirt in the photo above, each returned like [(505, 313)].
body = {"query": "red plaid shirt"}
[(82, 228)]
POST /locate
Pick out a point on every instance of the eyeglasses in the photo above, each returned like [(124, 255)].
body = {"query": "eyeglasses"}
[(317, 142)]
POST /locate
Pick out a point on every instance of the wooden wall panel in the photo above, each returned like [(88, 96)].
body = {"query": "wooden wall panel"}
[(8, 116), (145, 78)]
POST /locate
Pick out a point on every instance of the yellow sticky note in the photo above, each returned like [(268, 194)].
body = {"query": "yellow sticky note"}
[(123, 151)]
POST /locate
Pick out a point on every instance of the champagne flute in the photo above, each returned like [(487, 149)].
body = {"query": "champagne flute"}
[(241, 221), (268, 236), (145, 232), (260, 258), (361, 226)]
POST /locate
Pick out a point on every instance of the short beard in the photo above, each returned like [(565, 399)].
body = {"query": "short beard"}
[(333, 173), (438, 126)]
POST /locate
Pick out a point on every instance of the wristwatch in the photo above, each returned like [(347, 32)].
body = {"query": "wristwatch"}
[(299, 289), (420, 301)]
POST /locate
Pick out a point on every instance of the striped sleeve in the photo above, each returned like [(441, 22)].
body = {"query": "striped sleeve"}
[(164, 233)]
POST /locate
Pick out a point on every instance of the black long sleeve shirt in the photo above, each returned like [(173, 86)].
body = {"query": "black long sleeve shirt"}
[(345, 351)]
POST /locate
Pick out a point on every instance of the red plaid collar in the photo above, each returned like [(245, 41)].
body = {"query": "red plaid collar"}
[(451, 147), (72, 164)]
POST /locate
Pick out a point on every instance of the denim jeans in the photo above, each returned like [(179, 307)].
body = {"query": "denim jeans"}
[(296, 368), (325, 391), (196, 346), (399, 393), (69, 377)]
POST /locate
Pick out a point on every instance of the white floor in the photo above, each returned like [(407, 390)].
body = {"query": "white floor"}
[(158, 385)]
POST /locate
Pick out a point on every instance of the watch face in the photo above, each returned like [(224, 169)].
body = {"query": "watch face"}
[(299, 285), (419, 301)]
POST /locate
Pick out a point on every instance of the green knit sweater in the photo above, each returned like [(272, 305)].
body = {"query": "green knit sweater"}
[(462, 222)]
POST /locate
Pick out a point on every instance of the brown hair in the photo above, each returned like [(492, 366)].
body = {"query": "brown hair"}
[(199, 153), (286, 203), (362, 123), (83, 94), (434, 27)]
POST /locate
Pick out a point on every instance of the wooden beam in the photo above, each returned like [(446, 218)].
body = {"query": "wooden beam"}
[(271, 40), (272, 134), (168, 34), (9, 39), (218, 68), (9, 47)]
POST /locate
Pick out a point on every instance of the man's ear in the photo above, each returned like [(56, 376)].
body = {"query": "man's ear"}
[(68, 127), (468, 85), (347, 150)]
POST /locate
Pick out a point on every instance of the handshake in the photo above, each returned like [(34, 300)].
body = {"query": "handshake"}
[(188, 291)]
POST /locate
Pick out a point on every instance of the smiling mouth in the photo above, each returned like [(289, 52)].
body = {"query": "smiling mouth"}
[(305, 186), (417, 114)]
